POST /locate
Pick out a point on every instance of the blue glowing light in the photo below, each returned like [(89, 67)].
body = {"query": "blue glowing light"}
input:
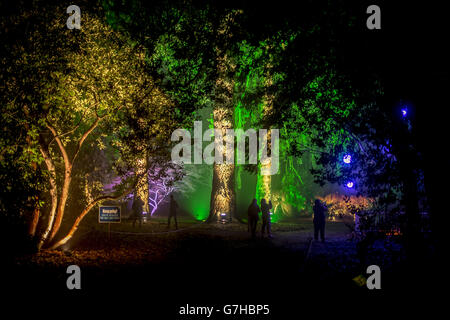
[(404, 112), (347, 158), (350, 184)]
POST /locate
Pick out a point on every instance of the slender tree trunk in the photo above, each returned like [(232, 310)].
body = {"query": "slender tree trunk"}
[(53, 193), (35, 219), (36, 212), (62, 202), (68, 165)]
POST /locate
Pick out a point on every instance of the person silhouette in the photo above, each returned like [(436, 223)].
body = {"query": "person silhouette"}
[(137, 210), (265, 209), (173, 212), (319, 219), (253, 211)]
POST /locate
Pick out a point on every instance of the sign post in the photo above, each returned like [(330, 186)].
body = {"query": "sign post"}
[(109, 214)]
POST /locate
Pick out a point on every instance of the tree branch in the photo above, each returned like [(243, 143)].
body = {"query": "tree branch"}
[(61, 146), (84, 136), (53, 190), (71, 130)]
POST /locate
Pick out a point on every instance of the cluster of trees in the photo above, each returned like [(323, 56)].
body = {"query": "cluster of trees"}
[(115, 90), (71, 97)]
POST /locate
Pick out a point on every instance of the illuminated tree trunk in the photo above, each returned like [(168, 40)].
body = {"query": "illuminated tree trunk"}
[(62, 202), (223, 195), (34, 220), (53, 194), (264, 183), (142, 189), (66, 184), (36, 212), (68, 165)]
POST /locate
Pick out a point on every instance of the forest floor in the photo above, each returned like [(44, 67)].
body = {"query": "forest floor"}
[(153, 241), (199, 252), (203, 263)]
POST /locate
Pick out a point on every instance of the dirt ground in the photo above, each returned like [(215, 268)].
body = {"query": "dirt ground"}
[(153, 241), (201, 262)]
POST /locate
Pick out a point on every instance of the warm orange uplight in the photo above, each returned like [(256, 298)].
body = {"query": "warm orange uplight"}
[(339, 206)]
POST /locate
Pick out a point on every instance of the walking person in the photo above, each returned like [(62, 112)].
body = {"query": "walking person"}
[(173, 212), (265, 210), (319, 219), (136, 213), (253, 211)]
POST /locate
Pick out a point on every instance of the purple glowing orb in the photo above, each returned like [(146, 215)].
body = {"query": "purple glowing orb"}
[(350, 184)]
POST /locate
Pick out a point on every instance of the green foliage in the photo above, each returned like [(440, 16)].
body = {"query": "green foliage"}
[(178, 38)]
